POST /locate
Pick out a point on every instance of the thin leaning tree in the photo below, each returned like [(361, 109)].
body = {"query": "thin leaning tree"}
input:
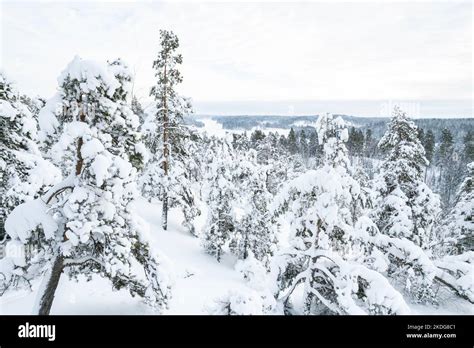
[(167, 175)]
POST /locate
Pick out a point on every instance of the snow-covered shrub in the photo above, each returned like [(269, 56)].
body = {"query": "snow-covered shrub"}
[(253, 272), (243, 301)]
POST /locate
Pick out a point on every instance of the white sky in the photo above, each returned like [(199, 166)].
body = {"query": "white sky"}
[(254, 51)]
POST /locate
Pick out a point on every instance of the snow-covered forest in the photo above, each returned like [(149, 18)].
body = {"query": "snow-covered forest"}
[(109, 206)]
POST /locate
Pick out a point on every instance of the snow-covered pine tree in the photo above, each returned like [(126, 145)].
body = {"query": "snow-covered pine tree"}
[(34, 104), (138, 109), (86, 224), (405, 207), (272, 156), (455, 266), (283, 141), (323, 258), (292, 143), (355, 144), (24, 173), (303, 145), (128, 138), (457, 229), (429, 145), (266, 148), (240, 142), (313, 145), (451, 168), (253, 234), (468, 150), (219, 193), (256, 137), (167, 174)]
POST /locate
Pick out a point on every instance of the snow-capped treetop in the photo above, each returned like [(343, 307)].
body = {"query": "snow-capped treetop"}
[(405, 205), (91, 75), (94, 94), (404, 150), (168, 58), (16, 113), (89, 82), (333, 134), (123, 74)]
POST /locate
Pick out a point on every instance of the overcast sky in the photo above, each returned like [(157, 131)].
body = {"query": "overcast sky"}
[(291, 53)]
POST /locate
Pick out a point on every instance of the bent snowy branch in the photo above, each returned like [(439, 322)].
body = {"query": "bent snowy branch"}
[(456, 272), (57, 189)]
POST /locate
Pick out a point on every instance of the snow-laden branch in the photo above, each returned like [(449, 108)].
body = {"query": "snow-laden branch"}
[(60, 187), (82, 260), (327, 303), (457, 272)]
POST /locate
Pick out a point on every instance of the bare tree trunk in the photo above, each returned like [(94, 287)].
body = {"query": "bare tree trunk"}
[(164, 218), (46, 301), (80, 142), (164, 221)]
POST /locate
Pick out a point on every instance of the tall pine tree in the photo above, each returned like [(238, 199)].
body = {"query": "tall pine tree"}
[(406, 206), (167, 174), (406, 209)]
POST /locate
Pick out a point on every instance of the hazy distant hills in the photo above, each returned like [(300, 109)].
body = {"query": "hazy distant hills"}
[(458, 126)]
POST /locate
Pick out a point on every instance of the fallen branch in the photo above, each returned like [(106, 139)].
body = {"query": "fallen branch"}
[(453, 288)]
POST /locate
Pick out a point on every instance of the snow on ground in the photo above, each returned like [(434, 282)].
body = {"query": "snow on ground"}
[(212, 127), (199, 280), (94, 297)]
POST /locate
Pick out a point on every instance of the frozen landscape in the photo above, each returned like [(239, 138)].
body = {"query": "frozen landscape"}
[(199, 282), (117, 202)]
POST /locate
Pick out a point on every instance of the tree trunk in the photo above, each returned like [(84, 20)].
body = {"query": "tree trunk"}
[(164, 218), (165, 152), (47, 297), (46, 300), (246, 245), (80, 142)]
